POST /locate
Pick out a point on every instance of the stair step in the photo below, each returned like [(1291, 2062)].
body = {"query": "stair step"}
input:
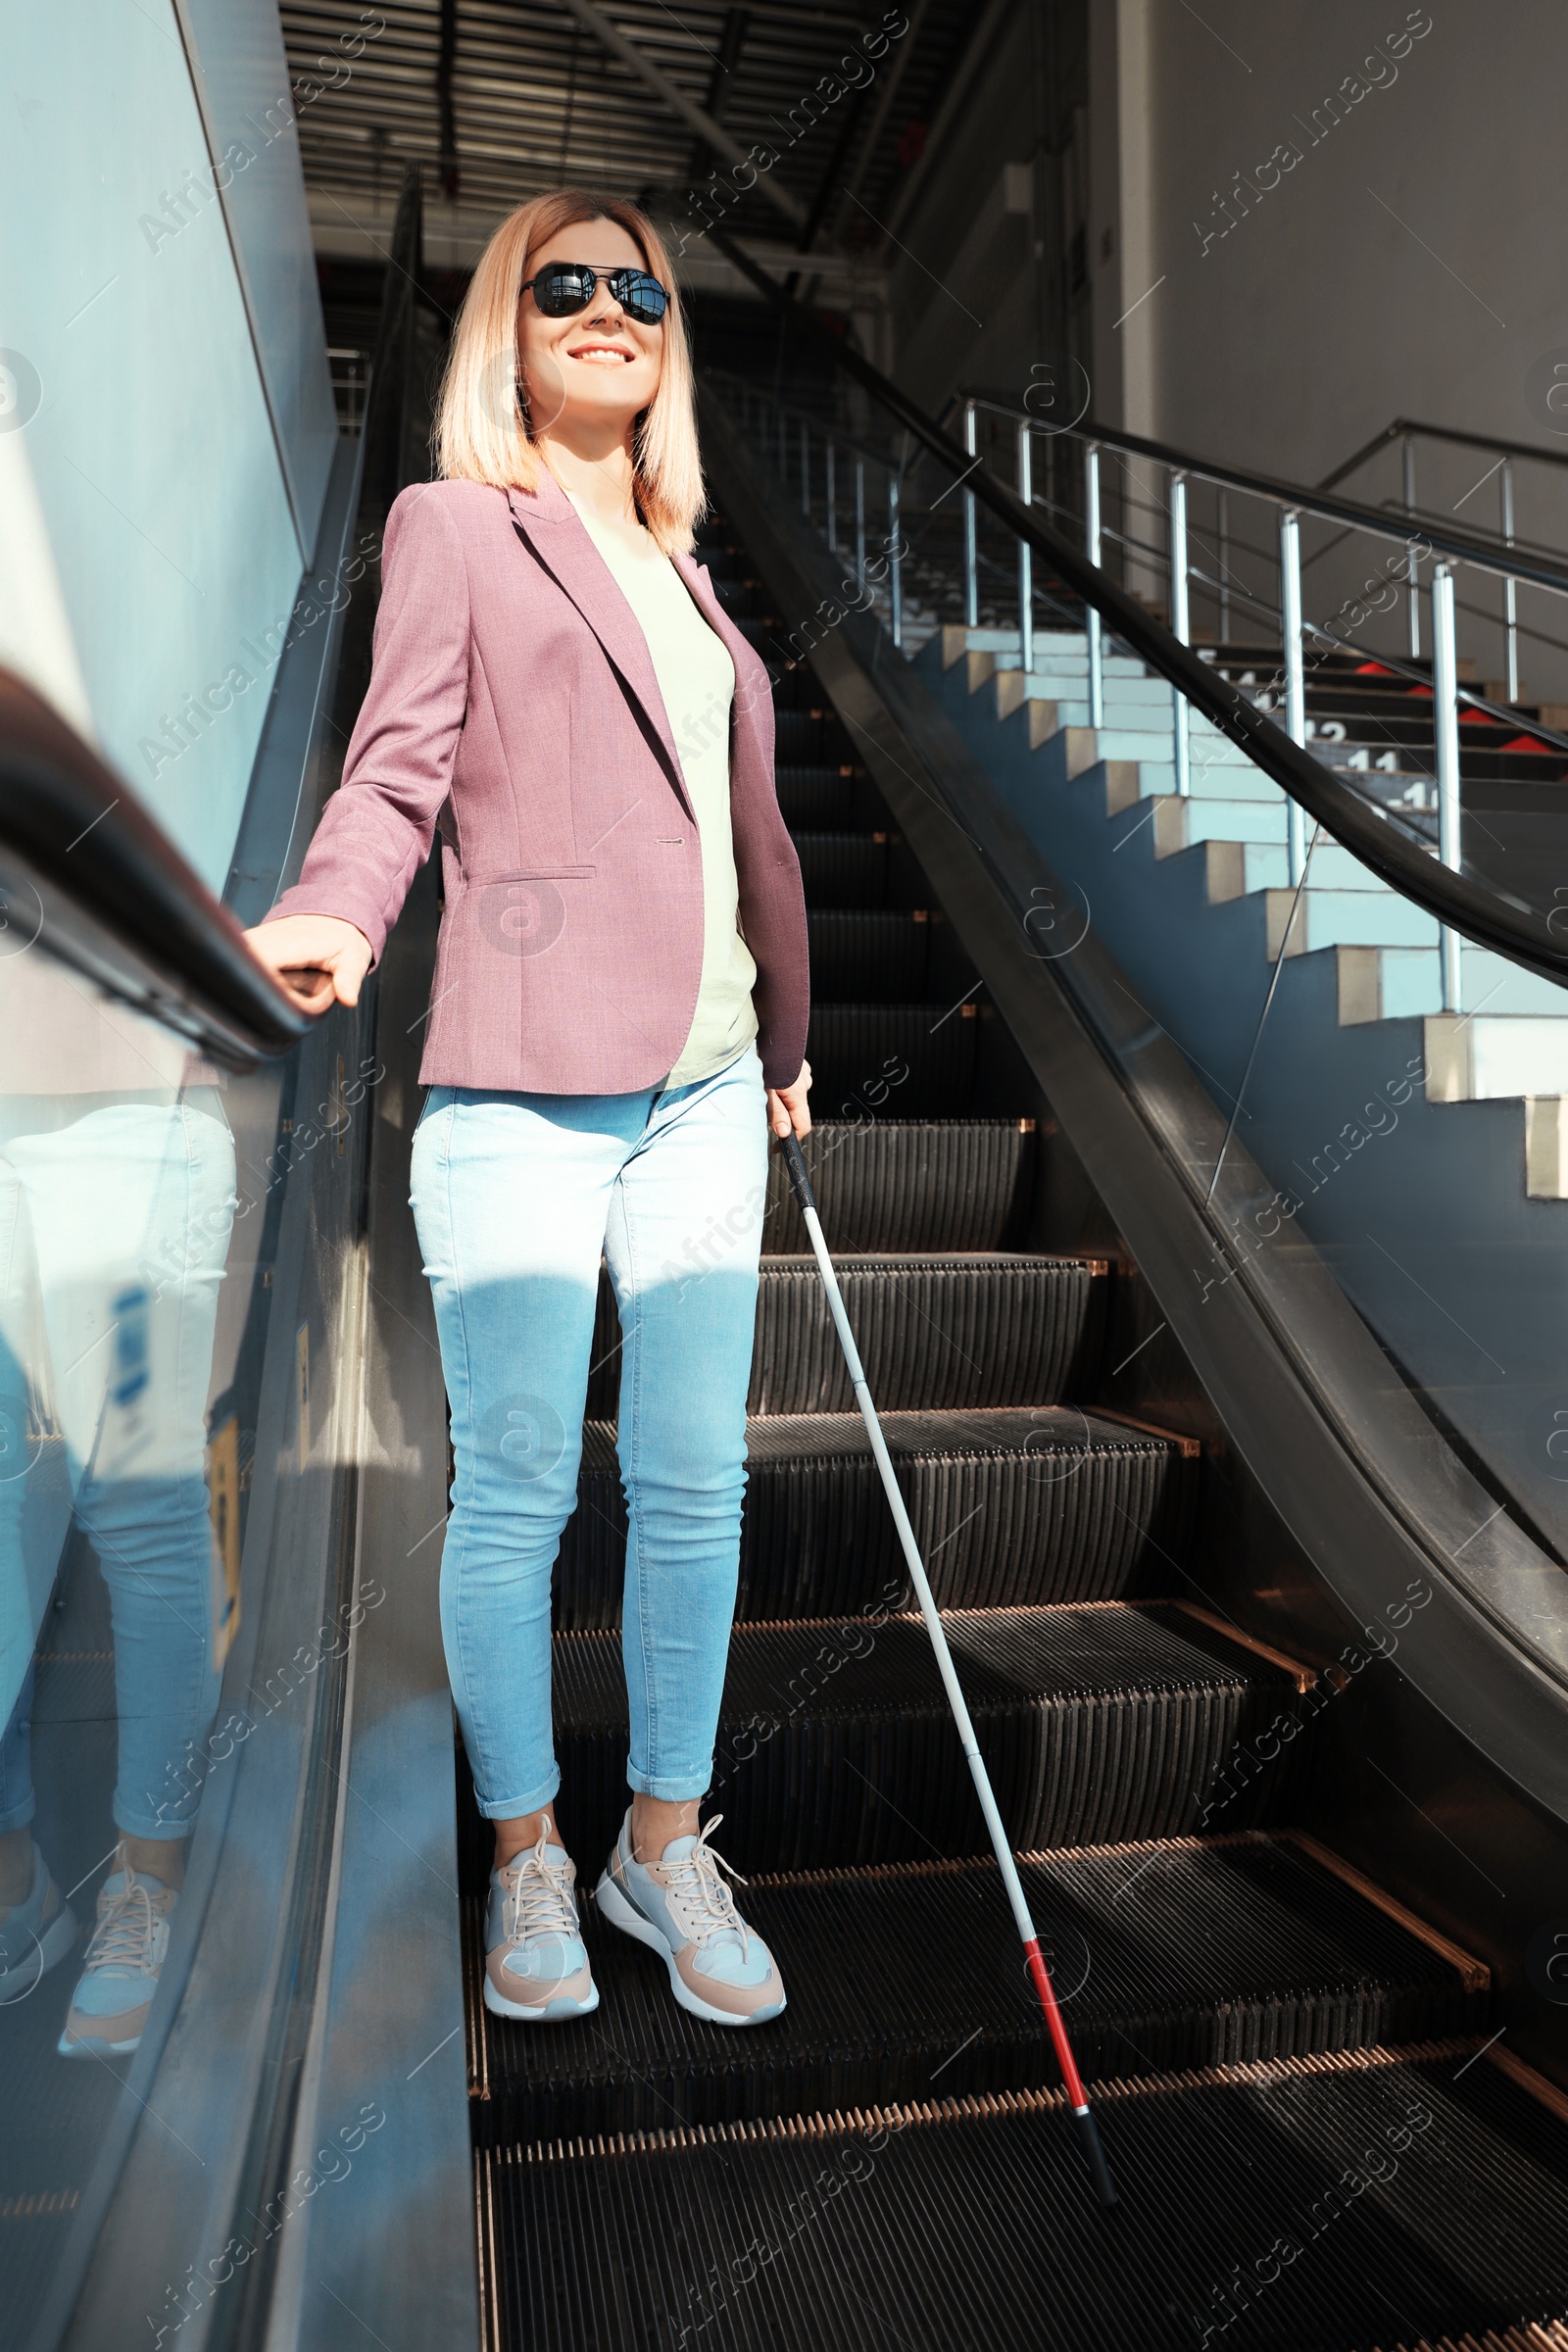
[(915, 1059), (978, 1327), (910, 1184), (1098, 1723), (832, 794), (812, 737), (1015, 1506), (1234, 1949), (880, 956), (1417, 2204)]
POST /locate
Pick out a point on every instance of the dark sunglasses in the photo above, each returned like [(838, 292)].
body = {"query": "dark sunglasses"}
[(569, 287)]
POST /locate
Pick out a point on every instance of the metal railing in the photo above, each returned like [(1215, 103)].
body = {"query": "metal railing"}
[(1463, 906), (1407, 432), (1292, 502)]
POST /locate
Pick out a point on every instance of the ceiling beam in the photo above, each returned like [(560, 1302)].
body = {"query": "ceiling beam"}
[(696, 118)]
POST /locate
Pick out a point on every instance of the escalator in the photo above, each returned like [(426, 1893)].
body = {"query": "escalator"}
[(1261, 1632), (1285, 2057)]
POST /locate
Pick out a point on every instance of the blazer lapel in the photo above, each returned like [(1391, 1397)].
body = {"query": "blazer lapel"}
[(555, 532)]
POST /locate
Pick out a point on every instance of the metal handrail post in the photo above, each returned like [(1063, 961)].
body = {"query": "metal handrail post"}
[(860, 525), (1511, 587), (894, 573), (1408, 460), (1097, 684), (806, 469), (971, 558), (832, 497), (1295, 676), (1445, 723), (1224, 567), (1026, 576), (1177, 552)]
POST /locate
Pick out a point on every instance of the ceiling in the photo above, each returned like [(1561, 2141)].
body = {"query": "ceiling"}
[(500, 99)]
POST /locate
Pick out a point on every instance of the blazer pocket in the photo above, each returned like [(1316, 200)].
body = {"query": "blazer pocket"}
[(532, 873)]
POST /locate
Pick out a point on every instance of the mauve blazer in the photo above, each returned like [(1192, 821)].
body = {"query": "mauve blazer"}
[(513, 703)]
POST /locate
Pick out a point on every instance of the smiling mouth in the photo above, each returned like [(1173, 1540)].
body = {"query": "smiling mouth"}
[(603, 352)]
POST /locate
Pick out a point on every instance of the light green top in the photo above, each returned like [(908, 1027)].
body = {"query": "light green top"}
[(697, 681)]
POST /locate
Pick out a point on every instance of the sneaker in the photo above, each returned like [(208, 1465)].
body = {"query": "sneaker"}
[(120, 1974), (33, 1934), (535, 1962), (719, 1967)]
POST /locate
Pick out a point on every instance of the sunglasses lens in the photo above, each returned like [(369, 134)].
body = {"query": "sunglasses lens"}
[(640, 296), (561, 291)]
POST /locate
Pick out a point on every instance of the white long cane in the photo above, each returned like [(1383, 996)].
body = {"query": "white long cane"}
[(1083, 2121)]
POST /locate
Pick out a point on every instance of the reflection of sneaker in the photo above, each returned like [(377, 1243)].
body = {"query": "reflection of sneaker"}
[(719, 1967), (535, 1962), (33, 1934), (120, 1975)]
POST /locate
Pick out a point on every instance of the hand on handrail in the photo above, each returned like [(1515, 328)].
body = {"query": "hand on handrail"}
[(321, 959)]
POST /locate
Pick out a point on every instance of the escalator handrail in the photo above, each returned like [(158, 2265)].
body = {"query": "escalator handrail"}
[(1400, 425), (1483, 916), (83, 835), (1484, 551)]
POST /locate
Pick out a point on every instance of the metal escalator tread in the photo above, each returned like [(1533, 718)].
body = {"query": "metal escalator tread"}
[(908, 1184), (972, 1328), (874, 953), (969, 2226), (1099, 1722), (981, 1328), (1237, 1950), (917, 1060), (843, 869), (817, 792), (1015, 1505)]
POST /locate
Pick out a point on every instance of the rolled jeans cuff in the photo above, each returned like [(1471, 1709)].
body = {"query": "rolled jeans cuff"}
[(512, 1808), (670, 1788), (19, 1816)]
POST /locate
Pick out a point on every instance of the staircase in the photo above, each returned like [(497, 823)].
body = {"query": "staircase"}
[(1278, 2051)]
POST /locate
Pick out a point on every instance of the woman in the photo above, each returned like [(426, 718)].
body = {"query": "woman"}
[(621, 979)]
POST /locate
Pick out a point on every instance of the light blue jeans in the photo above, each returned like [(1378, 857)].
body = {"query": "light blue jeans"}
[(516, 1197), (114, 1225)]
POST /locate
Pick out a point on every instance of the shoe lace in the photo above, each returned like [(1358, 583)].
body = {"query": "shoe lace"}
[(705, 1904), (539, 1901), (126, 1930)]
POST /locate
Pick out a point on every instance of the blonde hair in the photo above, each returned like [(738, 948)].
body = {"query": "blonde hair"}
[(482, 431)]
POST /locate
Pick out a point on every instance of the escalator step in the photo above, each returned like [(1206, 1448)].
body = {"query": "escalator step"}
[(1012, 1508), (869, 955), (984, 1329), (843, 869), (829, 794), (916, 1059), (1234, 1949), (910, 1184), (1332, 2204), (1098, 1723), (810, 738)]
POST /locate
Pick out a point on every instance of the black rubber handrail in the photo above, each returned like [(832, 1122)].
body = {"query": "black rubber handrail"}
[(1486, 552), (1440, 432), (108, 884), (1479, 912)]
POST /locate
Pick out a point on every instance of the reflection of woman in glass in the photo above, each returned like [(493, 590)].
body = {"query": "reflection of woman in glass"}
[(621, 979), (116, 1207)]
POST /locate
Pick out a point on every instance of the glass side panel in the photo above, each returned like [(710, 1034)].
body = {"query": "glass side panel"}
[(141, 1194)]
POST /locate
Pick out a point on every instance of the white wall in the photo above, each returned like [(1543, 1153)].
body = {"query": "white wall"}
[(131, 380), (1407, 260)]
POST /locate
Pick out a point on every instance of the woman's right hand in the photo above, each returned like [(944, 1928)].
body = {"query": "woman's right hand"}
[(319, 959)]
